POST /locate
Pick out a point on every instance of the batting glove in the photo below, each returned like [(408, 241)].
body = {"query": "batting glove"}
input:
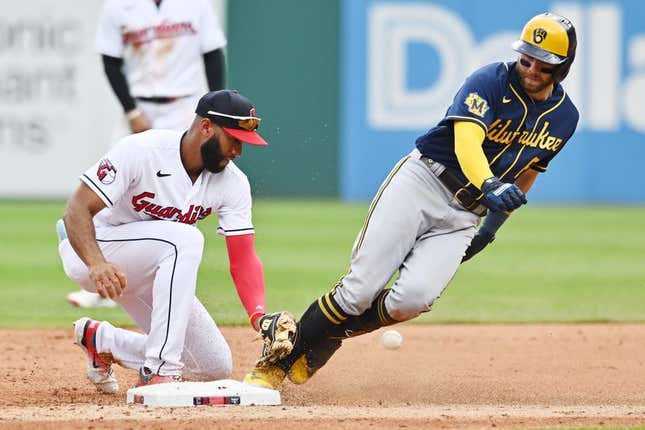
[(501, 196)]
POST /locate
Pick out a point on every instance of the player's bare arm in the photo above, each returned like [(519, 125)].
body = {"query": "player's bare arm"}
[(526, 180), (108, 278), (138, 121)]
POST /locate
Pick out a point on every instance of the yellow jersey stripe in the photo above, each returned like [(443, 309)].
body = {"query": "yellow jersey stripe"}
[(526, 167), (517, 157), (526, 110), (564, 94)]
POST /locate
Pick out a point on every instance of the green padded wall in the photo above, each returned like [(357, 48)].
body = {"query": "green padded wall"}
[(283, 55)]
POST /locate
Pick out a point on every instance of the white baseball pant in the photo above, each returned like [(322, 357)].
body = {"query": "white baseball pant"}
[(160, 260)]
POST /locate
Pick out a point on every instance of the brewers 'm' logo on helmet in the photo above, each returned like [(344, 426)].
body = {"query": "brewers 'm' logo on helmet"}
[(549, 38), (539, 34)]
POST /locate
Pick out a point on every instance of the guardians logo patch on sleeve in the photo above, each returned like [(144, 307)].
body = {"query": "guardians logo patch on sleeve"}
[(106, 172), (476, 104)]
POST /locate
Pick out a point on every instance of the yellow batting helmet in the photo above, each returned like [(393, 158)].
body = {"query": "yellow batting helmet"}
[(549, 38)]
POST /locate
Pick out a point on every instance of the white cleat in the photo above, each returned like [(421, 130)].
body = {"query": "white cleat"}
[(99, 366), (85, 299)]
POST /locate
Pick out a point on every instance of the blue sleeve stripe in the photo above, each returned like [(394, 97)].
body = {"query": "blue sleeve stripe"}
[(235, 230), (97, 190)]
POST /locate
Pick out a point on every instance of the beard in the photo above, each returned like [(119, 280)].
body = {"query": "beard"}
[(534, 87), (212, 156)]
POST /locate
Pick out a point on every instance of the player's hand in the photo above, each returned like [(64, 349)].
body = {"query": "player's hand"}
[(139, 123), (479, 242), (109, 280), (501, 196)]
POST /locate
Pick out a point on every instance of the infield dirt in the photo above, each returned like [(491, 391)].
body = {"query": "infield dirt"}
[(444, 376)]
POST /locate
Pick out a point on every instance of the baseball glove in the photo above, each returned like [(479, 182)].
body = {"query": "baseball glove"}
[(277, 331)]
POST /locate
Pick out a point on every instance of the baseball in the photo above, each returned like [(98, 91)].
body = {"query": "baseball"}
[(392, 339)]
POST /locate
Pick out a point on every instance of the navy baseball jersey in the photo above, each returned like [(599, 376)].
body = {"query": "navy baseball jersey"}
[(520, 133)]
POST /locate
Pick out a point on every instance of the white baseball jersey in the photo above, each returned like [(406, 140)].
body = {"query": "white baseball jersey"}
[(161, 46), (142, 178)]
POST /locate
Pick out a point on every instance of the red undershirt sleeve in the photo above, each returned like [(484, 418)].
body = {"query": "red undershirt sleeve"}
[(248, 274)]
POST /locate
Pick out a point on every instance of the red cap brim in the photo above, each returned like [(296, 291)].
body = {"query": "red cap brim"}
[(250, 137)]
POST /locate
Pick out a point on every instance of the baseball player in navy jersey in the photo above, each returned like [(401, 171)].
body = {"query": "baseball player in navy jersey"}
[(131, 236), (505, 124), (153, 52)]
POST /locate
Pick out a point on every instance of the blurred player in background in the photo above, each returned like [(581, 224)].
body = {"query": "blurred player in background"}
[(153, 52)]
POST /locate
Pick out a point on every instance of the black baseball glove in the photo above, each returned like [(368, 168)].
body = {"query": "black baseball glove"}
[(278, 331)]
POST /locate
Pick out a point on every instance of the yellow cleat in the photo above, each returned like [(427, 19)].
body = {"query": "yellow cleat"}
[(300, 372), (265, 377)]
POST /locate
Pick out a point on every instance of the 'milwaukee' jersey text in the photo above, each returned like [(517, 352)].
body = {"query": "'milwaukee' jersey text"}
[(143, 179), (498, 132), (520, 134)]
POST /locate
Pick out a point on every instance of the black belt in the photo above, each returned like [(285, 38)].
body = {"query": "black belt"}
[(454, 185), (159, 100)]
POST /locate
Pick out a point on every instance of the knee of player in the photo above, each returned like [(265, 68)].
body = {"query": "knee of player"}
[(210, 366), (403, 305), (354, 301), (218, 366), (187, 239), (194, 237)]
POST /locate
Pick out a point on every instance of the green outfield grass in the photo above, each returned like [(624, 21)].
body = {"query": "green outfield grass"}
[(548, 264)]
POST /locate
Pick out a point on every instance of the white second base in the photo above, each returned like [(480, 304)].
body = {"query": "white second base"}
[(222, 392)]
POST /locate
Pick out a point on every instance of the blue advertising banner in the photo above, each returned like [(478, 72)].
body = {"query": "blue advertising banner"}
[(402, 63)]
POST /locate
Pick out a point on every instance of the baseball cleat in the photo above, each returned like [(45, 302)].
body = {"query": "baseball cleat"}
[(265, 377), (99, 366), (312, 360), (146, 377), (85, 299), (301, 372)]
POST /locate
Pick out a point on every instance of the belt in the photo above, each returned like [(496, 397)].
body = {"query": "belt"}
[(464, 197), (159, 100)]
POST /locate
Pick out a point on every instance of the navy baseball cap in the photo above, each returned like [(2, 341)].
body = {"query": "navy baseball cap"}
[(234, 113)]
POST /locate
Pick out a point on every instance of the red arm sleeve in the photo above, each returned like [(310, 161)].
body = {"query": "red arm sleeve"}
[(247, 273)]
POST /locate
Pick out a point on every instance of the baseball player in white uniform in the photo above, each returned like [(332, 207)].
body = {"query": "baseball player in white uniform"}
[(152, 54), (131, 236), (160, 45)]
